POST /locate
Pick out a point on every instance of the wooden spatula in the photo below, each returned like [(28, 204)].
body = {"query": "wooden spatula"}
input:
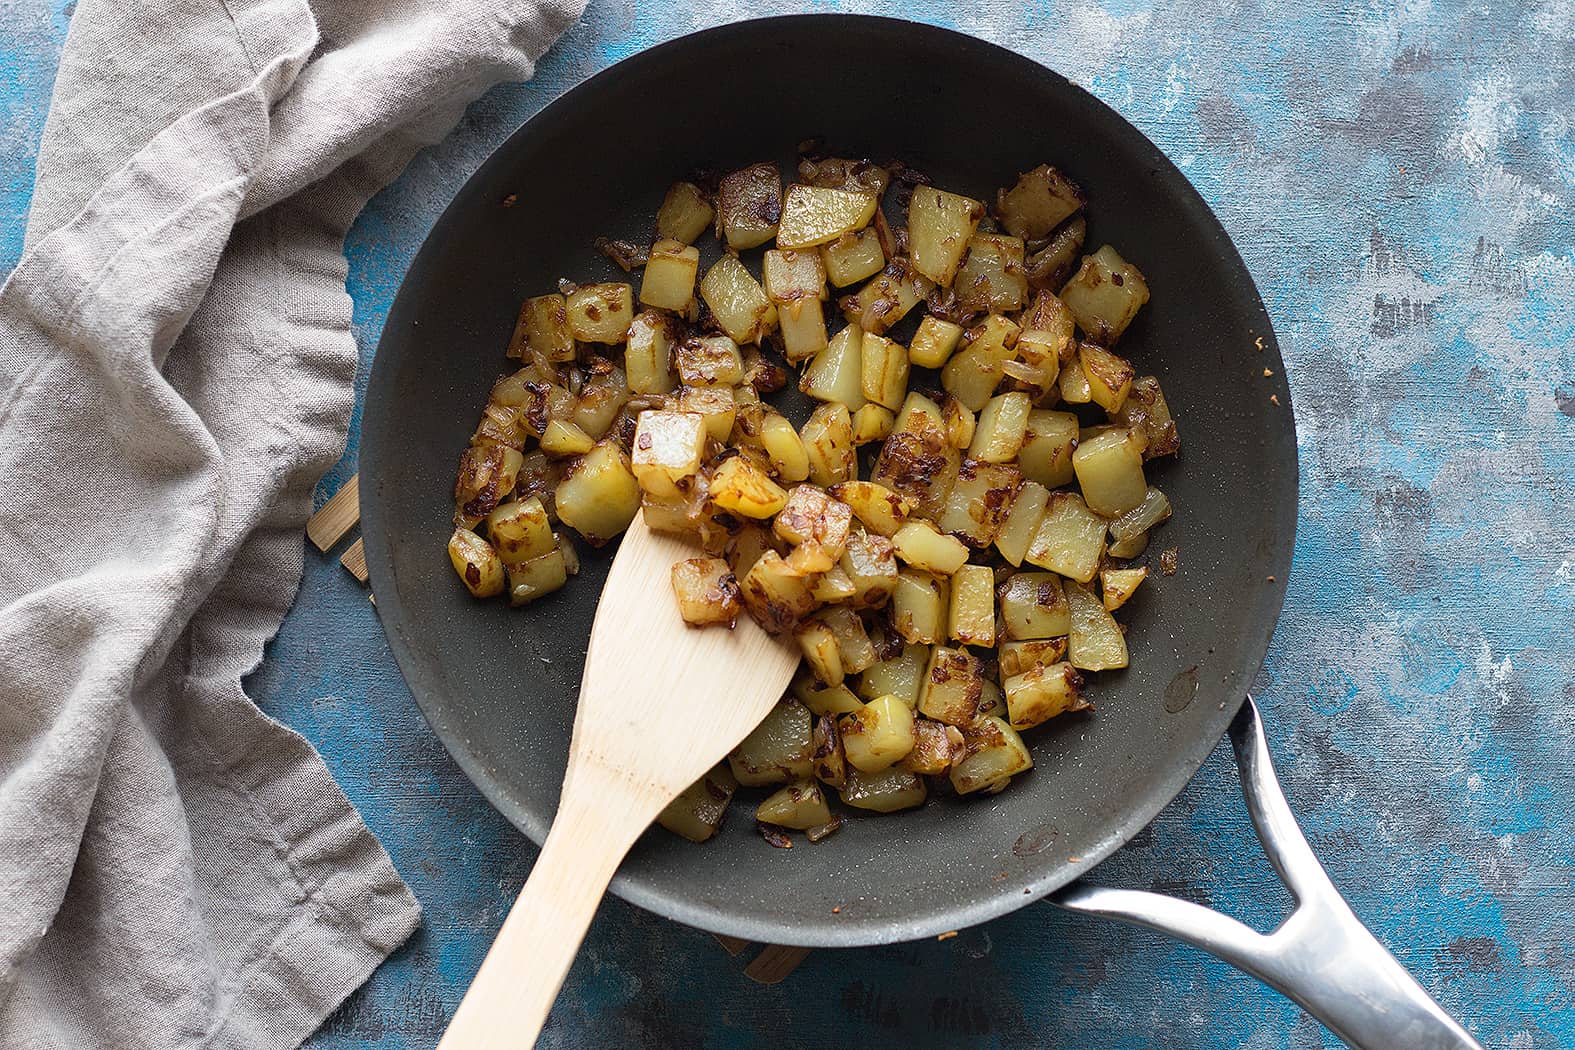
[(660, 704)]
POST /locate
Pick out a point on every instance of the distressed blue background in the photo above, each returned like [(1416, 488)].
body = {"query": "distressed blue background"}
[(1399, 178)]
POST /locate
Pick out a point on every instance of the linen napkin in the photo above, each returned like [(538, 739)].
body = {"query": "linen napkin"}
[(176, 368)]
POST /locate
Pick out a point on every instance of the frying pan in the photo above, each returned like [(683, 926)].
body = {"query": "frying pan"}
[(499, 685)]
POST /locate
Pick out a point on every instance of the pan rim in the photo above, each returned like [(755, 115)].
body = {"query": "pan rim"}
[(851, 930)]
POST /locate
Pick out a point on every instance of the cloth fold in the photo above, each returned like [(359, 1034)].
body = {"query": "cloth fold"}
[(176, 373)]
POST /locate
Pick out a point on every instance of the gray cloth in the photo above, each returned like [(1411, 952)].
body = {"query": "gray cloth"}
[(176, 370)]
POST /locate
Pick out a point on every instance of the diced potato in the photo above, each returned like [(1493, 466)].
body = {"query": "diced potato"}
[(939, 227), (885, 371), (1042, 692), (1109, 377), (810, 515), (1104, 295), (921, 545), (934, 342), (778, 751), (600, 399), (823, 699), (565, 439), (803, 326), (501, 424), (916, 404), (960, 421), (1033, 605), (487, 473), (737, 301), (599, 497), (750, 200), (1047, 334), (828, 439), (668, 447), (520, 531), (853, 257), (1117, 585), (685, 213), (1002, 427), (836, 373), (877, 507), (786, 449), (871, 566), (887, 298), (529, 580), (1050, 266), (707, 591), (853, 642), (917, 462), (1096, 641), (600, 313), (991, 700), (819, 645), (834, 586), (1109, 470), (1048, 444), (1041, 201), (901, 676), (476, 562), (972, 613), (717, 405), (1071, 538), (542, 331), (952, 686), (745, 546), (973, 373), (993, 753), (872, 423), (697, 813), (709, 360), (796, 282), (777, 595), (741, 487), (1072, 383), (978, 504), (992, 276), (648, 358), (1145, 409), (934, 748), (918, 606), (831, 763), (887, 791), (1135, 523), (877, 735), (815, 215), (799, 806), (1022, 522), (669, 279), (1017, 657)]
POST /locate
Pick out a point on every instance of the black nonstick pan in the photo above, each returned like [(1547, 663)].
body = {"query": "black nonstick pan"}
[(499, 685)]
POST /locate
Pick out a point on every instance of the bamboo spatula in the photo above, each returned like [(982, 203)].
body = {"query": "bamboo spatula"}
[(660, 704)]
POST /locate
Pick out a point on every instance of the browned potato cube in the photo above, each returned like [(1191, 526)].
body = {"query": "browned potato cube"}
[(476, 563), (853, 642), (1050, 266), (1104, 295), (1145, 409), (828, 439), (520, 531), (815, 215), (1109, 377), (831, 763), (823, 699), (812, 516), (779, 750), (887, 791), (685, 213), (1040, 693), (870, 563), (648, 358), (777, 595), (973, 373), (836, 373), (935, 746), (819, 645), (1002, 427), (697, 813), (737, 301), (739, 486), (1096, 640), (960, 421), (1041, 201), (799, 806), (872, 423), (992, 276), (599, 497), (1071, 538), (917, 462), (1047, 333), (717, 405), (972, 614), (1022, 522), (669, 278), (1048, 444), (751, 204), (1109, 469), (952, 686), (529, 580), (709, 360), (1033, 605), (993, 753), (877, 507), (901, 676), (707, 591), (884, 378), (487, 473), (1117, 585), (934, 342), (978, 504), (887, 298), (918, 606), (542, 331), (922, 546), (878, 734), (1018, 657), (600, 313), (939, 227), (796, 283), (789, 457), (668, 447), (853, 257)]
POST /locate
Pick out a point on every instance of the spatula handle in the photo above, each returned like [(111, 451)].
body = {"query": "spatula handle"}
[(508, 1002)]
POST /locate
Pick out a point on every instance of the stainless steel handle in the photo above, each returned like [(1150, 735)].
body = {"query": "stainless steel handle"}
[(1321, 956)]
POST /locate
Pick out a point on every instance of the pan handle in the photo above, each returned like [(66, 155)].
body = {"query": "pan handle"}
[(1321, 956)]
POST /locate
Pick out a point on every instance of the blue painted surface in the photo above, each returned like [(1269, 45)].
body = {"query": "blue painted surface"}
[(1399, 178)]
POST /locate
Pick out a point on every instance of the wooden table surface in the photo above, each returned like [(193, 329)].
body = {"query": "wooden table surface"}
[(1400, 179)]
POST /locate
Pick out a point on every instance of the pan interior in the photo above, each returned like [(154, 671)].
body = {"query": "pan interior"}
[(499, 685)]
